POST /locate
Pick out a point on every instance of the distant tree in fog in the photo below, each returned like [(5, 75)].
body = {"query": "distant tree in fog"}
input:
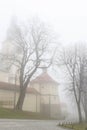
[(73, 59)]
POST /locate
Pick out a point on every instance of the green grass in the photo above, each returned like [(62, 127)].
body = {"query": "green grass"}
[(82, 126), (13, 114)]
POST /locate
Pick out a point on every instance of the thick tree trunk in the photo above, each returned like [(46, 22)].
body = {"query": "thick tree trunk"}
[(22, 94), (20, 101)]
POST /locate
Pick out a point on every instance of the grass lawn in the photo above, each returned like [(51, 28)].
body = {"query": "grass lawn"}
[(13, 114), (82, 126)]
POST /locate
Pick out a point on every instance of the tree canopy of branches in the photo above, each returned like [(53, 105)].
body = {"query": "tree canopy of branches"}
[(30, 49), (74, 59)]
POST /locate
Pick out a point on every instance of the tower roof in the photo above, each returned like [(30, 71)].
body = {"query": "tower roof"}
[(44, 78)]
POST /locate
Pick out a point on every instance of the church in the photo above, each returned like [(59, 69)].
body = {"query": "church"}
[(49, 98), (41, 95)]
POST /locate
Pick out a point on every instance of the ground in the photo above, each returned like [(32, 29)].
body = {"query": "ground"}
[(11, 124), (14, 114), (76, 126)]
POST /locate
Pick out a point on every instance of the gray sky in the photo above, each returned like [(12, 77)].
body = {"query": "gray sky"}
[(67, 17)]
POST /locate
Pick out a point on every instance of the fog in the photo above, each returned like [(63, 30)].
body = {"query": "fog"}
[(67, 18)]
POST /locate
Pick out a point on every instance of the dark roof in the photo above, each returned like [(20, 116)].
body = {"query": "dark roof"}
[(12, 87), (44, 78), (8, 86)]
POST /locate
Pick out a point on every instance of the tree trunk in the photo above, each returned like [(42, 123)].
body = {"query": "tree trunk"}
[(84, 101), (79, 112), (21, 99), (85, 111)]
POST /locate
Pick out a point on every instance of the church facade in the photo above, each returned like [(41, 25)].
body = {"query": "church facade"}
[(41, 95)]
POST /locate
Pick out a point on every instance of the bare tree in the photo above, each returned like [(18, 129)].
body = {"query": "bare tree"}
[(84, 87), (73, 61), (30, 51)]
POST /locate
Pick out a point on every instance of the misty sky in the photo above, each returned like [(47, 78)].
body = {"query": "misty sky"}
[(67, 17)]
